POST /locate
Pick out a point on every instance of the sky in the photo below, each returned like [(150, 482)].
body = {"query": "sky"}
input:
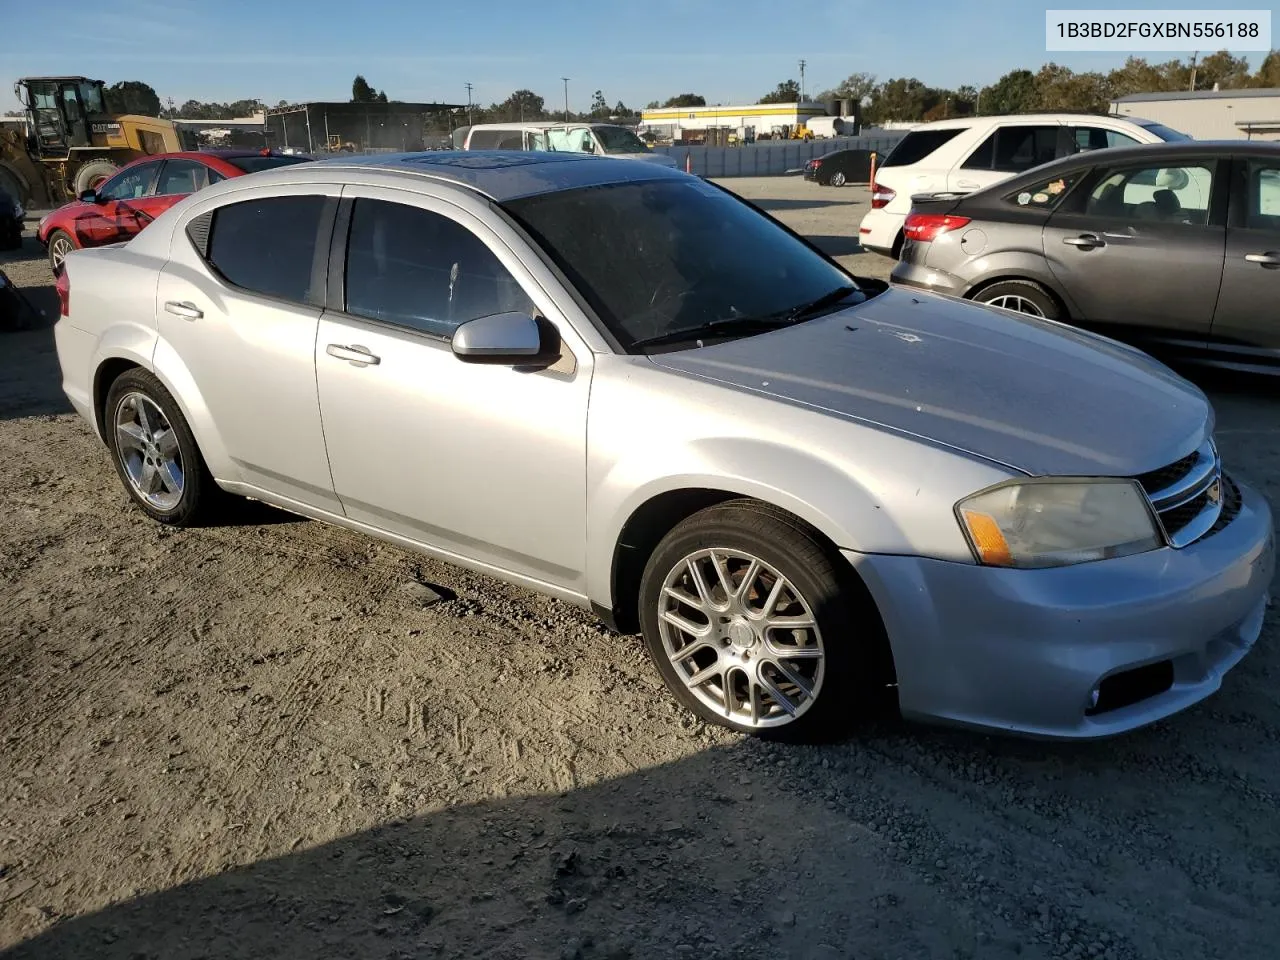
[(729, 51)]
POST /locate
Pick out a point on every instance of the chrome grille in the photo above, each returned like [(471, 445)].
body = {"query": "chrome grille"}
[(1188, 495)]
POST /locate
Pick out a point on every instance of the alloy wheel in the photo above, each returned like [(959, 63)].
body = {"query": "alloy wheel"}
[(741, 638), (1011, 301), (837, 179), (148, 451), (58, 251)]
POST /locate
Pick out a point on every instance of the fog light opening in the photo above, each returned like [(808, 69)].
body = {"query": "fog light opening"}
[(1128, 687)]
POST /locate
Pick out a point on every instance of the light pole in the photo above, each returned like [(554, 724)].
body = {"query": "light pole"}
[(468, 104), (566, 98), (802, 66)]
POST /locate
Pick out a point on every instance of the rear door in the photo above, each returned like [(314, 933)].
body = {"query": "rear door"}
[(1246, 326), (1009, 149), (1139, 248)]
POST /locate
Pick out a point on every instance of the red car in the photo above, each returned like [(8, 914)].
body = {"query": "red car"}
[(141, 191)]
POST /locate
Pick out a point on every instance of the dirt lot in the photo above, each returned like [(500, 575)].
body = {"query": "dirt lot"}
[(255, 740)]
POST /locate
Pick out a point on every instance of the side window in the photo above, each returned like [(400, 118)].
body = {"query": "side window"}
[(419, 269), (268, 246), (984, 156), (131, 184), (214, 176), (1044, 195), (1159, 194), (1263, 210), (1021, 148), (918, 145), (485, 139), (1096, 138), (182, 176), (537, 141)]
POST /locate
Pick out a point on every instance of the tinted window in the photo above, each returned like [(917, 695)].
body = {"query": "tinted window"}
[(917, 145), (658, 257), (418, 269), (1264, 196), (1164, 133), (1096, 138), (182, 176), (984, 156), (486, 139), (130, 184), (268, 246), (1160, 194), (254, 164), (1021, 148), (1045, 195)]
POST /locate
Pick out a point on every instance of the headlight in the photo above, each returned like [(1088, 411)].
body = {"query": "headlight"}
[(1053, 523)]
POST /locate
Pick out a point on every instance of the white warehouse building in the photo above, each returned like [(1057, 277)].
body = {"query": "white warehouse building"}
[(1209, 114), (671, 122)]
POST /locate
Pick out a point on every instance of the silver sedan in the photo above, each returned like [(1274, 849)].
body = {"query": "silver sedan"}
[(623, 387)]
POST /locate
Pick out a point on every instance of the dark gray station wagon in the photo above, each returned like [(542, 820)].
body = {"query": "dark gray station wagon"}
[(1175, 247)]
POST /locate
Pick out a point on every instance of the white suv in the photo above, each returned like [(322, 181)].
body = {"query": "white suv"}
[(970, 153)]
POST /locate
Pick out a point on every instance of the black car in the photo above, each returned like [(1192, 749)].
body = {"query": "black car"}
[(1172, 246), (11, 215), (839, 167)]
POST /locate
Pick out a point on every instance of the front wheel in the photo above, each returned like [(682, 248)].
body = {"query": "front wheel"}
[(753, 627)]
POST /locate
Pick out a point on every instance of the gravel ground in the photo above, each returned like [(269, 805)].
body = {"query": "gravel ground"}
[(278, 738)]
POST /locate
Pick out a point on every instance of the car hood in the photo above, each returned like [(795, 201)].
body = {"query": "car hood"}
[(1035, 395)]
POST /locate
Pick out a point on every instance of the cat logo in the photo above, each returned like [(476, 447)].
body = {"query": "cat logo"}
[(110, 129)]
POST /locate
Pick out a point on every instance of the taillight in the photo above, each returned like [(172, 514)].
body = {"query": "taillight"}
[(816, 163), (923, 227), (63, 286), (882, 197)]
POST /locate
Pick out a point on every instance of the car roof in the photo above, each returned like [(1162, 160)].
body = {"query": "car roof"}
[(1169, 150), (500, 175), (1059, 117)]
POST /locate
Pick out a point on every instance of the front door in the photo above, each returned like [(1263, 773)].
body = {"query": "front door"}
[(240, 319), (482, 462), (1139, 250), (1246, 326)]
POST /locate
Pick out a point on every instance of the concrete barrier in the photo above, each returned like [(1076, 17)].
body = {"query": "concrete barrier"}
[(770, 158)]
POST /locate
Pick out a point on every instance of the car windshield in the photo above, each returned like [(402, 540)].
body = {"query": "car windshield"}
[(619, 140), (657, 257), (255, 163), (1165, 133)]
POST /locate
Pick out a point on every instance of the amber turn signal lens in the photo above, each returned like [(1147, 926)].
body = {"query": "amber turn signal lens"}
[(990, 543)]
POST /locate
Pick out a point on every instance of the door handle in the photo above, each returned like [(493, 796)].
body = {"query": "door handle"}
[(1267, 259), (1086, 241), (184, 309), (967, 184), (358, 355)]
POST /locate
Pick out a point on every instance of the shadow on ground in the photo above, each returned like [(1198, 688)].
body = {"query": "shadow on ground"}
[(775, 205), (30, 378), (836, 246)]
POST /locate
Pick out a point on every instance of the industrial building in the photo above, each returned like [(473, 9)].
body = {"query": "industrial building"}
[(361, 127), (1209, 114), (762, 119)]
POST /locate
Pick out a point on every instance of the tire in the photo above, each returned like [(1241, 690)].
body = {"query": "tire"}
[(831, 686), (92, 174), (838, 179), (198, 497), (60, 244), (1021, 296)]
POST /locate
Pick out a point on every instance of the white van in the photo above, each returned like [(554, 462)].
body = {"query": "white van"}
[(598, 139)]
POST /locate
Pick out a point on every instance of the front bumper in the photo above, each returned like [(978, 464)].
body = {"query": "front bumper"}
[(926, 278), (1020, 651)]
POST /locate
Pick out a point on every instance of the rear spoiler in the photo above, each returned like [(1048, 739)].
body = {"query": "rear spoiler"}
[(939, 196)]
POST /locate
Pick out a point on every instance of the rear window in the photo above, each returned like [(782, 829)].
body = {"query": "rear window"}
[(917, 145), (1165, 133), (254, 164)]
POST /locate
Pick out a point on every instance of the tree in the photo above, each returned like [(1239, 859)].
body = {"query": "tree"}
[(1136, 76), (902, 100), (856, 87), (1013, 93), (652, 105), (1057, 88), (133, 96), (786, 92), (361, 92), (1268, 74), (686, 100), (521, 105), (1227, 71), (620, 109), (599, 106)]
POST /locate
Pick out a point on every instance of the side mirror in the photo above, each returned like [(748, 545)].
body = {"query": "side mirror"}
[(89, 196), (509, 338)]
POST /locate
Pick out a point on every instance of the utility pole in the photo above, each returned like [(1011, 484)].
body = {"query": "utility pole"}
[(802, 66), (566, 98), (1194, 57), (468, 104)]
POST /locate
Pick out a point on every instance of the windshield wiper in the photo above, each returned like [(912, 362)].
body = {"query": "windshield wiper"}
[(732, 326)]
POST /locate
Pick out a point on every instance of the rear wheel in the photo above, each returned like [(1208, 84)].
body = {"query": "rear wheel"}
[(753, 627), (837, 179), (93, 174), (1021, 296), (60, 244), (155, 452)]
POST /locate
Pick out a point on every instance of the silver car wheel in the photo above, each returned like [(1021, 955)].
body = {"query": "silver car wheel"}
[(1011, 301), (837, 179), (148, 451), (58, 251), (741, 638)]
